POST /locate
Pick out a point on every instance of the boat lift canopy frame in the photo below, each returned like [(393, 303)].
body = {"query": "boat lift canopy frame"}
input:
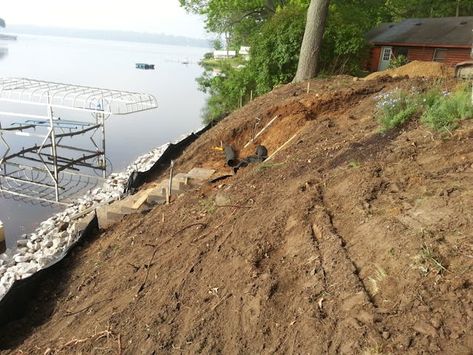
[(44, 181)]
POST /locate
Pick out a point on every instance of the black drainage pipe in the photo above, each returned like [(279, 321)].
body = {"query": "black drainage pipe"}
[(230, 156)]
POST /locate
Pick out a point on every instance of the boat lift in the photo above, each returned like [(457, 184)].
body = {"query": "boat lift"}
[(56, 168)]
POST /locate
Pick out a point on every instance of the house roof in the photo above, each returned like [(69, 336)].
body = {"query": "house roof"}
[(447, 31)]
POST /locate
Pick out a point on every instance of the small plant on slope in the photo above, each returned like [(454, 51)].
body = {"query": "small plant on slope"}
[(398, 61), (395, 108), (447, 109)]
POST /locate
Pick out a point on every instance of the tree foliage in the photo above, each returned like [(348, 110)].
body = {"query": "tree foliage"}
[(274, 29), (237, 18), (274, 56), (275, 49), (400, 9)]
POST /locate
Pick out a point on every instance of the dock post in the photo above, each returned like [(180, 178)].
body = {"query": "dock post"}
[(3, 245)]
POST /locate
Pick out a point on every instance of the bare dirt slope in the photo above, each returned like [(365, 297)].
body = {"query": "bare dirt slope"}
[(348, 241)]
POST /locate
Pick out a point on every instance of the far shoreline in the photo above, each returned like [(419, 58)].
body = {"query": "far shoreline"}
[(7, 37)]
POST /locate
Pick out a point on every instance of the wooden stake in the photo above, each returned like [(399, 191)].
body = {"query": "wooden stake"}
[(262, 130), (168, 195), (281, 147)]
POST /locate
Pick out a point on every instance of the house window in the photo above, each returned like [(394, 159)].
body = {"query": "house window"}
[(440, 54), (401, 51)]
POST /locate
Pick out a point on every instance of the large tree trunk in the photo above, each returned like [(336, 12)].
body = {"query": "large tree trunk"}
[(314, 32)]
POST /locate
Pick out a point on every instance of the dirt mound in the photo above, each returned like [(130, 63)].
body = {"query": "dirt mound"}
[(348, 241), (416, 69)]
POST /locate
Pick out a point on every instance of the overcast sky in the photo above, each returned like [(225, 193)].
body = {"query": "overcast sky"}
[(160, 16)]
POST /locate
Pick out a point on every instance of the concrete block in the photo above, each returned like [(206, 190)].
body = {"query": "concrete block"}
[(201, 174), (134, 203), (107, 216), (157, 195)]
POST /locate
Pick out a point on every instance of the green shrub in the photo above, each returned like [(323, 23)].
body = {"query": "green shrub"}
[(430, 97), (395, 108), (398, 61), (447, 109), (275, 49), (208, 55)]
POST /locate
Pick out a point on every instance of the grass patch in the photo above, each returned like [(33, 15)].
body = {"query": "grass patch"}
[(354, 164), (427, 260), (439, 110), (268, 165), (395, 108), (208, 205), (444, 111)]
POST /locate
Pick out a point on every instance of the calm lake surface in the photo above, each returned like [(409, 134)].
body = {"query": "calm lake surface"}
[(111, 65)]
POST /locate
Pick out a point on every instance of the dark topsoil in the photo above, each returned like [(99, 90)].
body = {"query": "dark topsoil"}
[(347, 241)]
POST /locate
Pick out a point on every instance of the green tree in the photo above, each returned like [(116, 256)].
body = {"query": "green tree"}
[(401, 9), (275, 49), (274, 29), (273, 61), (238, 19), (217, 44)]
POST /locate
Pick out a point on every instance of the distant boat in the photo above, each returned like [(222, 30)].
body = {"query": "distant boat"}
[(144, 66)]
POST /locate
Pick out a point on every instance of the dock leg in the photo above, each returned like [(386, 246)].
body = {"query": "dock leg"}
[(3, 245)]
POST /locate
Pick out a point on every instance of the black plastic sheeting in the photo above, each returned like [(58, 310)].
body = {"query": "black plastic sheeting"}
[(13, 304), (172, 152)]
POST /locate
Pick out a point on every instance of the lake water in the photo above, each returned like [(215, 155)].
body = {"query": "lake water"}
[(111, 65)]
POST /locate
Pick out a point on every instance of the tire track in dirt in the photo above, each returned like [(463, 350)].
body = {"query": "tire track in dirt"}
[(348, 304), (343, 313)]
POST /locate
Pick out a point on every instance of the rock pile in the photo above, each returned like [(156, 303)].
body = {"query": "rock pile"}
[(51, 241)]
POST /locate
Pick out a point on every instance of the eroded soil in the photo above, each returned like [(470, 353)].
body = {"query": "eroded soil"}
[(347, 241)]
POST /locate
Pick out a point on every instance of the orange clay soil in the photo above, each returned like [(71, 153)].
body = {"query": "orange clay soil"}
[(416, 69), (347, 241)]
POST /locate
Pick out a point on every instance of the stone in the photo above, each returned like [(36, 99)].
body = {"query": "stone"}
[(63, 226), (21, 242), (23, 258), (222, 199), (436, 322), (425, 328)]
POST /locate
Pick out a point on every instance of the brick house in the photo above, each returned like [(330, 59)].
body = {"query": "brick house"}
[(446, 39)]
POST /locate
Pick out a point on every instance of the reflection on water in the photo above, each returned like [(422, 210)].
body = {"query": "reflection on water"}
[(51, 168), (107, 64)]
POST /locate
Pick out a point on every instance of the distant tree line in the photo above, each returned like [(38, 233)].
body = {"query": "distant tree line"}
[(110, 35), (274, 30)]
